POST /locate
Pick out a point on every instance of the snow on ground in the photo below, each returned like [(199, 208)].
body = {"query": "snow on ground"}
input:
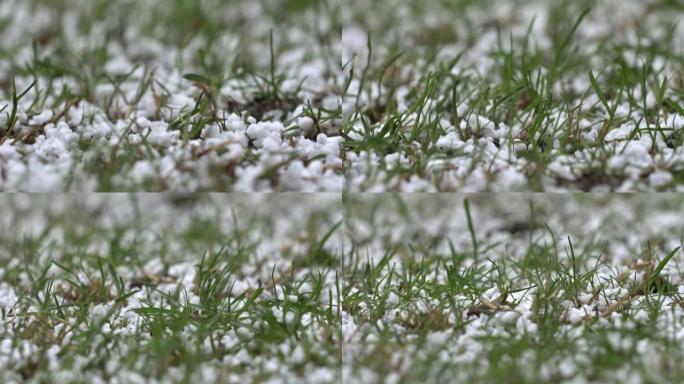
[(499, 95), (554, 288), (169, 95), (169, 288)]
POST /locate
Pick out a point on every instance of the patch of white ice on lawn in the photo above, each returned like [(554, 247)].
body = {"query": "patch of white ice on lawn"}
[(8, 297)]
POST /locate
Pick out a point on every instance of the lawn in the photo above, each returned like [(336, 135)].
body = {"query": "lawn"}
[(520, 95), (183, 95), (371, 191), (169, 289), (513, 288), (441, 95)]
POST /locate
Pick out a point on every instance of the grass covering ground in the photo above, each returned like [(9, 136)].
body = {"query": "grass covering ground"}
[(511, 288), (374, 288), (440, 95), (177, 95), (142, 288), (345, 285), (460, 95)]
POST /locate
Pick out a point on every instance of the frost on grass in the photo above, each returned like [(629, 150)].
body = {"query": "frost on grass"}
[(530, 289), (144, 289), (169, 95), (513, 95)]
